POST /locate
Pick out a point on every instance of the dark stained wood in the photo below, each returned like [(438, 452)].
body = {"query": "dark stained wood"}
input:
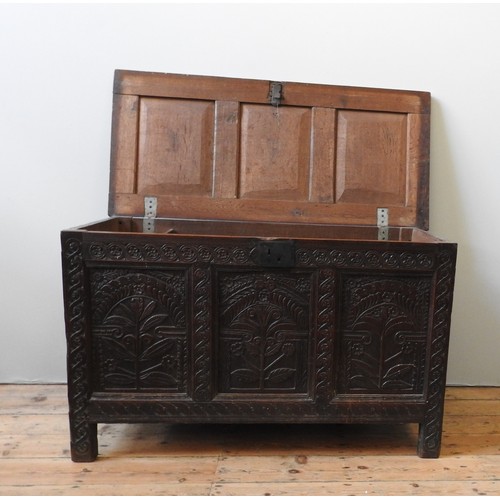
[(265, 293)]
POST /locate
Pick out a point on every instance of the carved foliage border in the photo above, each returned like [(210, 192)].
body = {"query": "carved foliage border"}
[(173, 252), (217, 253), (366, 259)]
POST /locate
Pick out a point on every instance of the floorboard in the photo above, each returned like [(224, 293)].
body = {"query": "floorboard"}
[(227, 460)]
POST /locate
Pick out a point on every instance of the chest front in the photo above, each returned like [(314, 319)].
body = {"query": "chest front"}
[(265, 259)]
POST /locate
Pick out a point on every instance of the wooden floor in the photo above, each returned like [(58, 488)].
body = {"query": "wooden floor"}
[(247, 460)]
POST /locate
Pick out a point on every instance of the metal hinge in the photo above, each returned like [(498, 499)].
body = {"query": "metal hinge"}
[(383, 223), (275, 93), (150, 206)]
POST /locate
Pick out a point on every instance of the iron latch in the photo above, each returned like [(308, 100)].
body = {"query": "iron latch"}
[(150, 207), (275, 93)]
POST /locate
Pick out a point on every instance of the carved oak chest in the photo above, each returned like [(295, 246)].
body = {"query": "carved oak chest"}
[(265, 260)]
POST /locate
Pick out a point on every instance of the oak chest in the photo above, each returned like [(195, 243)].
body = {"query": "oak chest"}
[(265, 260)]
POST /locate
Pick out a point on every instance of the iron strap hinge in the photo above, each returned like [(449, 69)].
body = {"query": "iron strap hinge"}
[(150, 207), (383, 223)]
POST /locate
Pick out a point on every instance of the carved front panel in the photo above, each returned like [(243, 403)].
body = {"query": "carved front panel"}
[(264, 332), (383, 334), (139, 338)]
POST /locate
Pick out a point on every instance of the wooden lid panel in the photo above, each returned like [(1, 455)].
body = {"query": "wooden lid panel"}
[(216, 88), (210, 147)]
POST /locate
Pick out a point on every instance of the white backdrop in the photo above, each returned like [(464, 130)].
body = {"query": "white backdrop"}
[(56, 71)]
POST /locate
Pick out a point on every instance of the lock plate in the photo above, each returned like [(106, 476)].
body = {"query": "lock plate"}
[(276, 253)]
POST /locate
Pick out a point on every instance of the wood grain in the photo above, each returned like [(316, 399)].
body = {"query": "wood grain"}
[(217, 148), (158, 459)]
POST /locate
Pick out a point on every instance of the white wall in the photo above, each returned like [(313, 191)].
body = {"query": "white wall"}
[(56, 70)]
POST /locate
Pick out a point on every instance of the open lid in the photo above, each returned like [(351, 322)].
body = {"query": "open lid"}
[(237, 149)]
